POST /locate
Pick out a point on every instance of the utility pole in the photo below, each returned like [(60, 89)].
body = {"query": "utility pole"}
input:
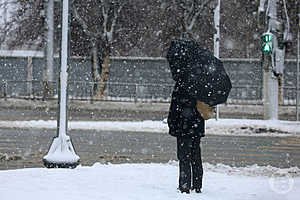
[(48, 52), (270, 90), (274, 39), (270, 97), (217, 39), (298, 59)]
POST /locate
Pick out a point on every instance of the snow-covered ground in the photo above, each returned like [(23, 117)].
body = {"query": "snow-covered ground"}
[(154, 181), (220, 127), (146, 181)]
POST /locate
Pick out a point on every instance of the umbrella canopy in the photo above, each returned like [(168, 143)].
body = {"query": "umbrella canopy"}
[(199, 72)]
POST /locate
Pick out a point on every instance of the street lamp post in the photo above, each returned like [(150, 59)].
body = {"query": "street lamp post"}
[(61, 153)]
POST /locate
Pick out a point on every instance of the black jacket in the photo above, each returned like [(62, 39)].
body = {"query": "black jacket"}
[(184, 120)]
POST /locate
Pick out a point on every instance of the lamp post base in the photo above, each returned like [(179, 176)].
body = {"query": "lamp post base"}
[(61, 154)]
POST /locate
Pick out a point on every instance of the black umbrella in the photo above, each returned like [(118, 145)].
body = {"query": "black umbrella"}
[(199, 72)]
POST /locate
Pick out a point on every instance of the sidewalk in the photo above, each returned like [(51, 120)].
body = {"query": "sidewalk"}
[(233, 127)]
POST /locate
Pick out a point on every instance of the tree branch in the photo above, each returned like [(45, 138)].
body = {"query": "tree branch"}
[(116, 15), (198, 10), (84, 25), (105, 17)]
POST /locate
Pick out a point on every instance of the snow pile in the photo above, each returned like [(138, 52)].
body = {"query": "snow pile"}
[(253, 127), (253, 170), (213, 127), (139, 181)]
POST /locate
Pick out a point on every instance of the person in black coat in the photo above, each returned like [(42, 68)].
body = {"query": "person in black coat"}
[(187, 125), (201, 84)]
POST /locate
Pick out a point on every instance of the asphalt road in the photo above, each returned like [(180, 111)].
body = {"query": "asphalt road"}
[(25, 148), (89, 112), (18, 109)]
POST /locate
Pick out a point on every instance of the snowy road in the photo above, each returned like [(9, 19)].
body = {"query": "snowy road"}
[(21, 148)]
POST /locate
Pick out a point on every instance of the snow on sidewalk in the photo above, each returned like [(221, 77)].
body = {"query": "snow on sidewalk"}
[(143, 182), (220, 127)]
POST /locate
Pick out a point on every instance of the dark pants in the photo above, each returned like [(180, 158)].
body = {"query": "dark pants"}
[(190, 163)]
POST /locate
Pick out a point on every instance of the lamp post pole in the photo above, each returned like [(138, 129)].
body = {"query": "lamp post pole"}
[(217, 39), (61, 153)]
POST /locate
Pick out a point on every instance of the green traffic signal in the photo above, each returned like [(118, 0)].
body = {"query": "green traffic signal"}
[(267, 48), (267, 45), (267, 38)]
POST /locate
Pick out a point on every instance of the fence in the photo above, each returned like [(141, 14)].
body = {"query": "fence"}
[(131, 78), (133, 92), (84, 91)]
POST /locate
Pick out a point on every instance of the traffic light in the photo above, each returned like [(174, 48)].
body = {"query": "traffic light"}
[(267, 43)]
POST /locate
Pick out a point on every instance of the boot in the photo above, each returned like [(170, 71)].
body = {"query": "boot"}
[(197, 190), (183, 190)]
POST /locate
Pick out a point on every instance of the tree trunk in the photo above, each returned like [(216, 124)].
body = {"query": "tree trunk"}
[(104, 76), (95, 71), (29, 76)]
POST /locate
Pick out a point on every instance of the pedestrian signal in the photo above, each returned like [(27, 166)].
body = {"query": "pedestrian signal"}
[(267, 45)]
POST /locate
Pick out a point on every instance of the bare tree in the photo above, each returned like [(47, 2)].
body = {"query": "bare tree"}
[(174, 19), (189, 12), (26, 26), (142, 28), (100, 27)]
